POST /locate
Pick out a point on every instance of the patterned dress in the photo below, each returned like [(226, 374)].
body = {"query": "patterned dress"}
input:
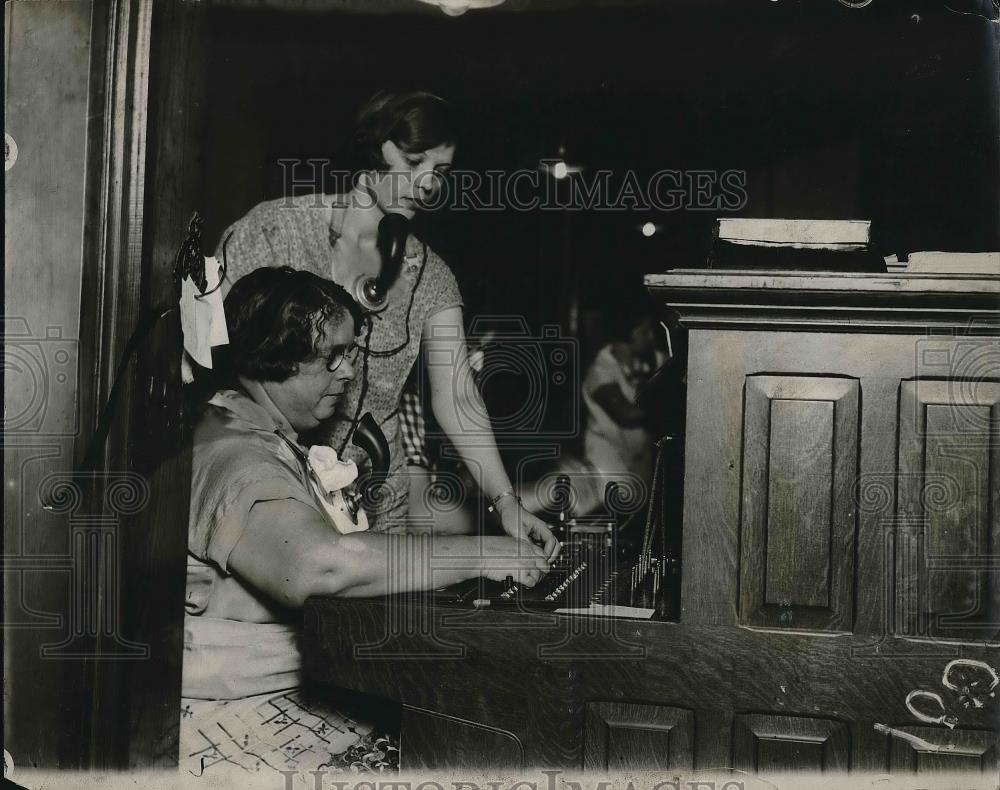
[(244, 711), (296, 232)]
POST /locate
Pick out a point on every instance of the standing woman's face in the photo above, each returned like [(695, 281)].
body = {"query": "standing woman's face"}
[(413, 180)]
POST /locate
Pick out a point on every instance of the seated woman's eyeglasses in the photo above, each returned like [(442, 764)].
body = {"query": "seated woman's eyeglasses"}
[(336, 359)]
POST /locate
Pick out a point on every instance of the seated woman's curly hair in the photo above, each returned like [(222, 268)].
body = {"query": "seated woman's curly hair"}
[(275, 318)]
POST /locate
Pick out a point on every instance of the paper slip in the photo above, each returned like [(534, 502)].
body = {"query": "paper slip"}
[(611, 610)]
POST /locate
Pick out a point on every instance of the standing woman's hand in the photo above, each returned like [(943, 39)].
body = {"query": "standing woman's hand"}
[(457, 404), (519, 523)]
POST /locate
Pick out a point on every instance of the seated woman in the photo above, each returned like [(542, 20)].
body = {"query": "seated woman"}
[(262, 537)]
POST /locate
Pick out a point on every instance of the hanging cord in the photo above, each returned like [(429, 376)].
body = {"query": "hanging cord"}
[(994, 19), (364, 387), (409, 308), (188, 262), (368, 352), (147, 323), (666, 548), (655, 515)]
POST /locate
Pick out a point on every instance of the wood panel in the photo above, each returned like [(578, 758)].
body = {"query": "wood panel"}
[(629, 737), (797, 532), (720, 362), (876, 506), (773, 744), (712, 670), (938, 749), (126, 709), (799, 482), (853, 303), (112, 272), (948, 525), (47, 49), (717, 370), (156, 539)]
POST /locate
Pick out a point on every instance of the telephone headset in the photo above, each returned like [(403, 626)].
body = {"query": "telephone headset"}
[(372, 294)]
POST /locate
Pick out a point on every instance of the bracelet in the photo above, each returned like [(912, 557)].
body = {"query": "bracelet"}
[(509, 492)]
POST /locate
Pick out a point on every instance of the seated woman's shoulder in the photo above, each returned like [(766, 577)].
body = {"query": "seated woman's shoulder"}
[(227, 446)]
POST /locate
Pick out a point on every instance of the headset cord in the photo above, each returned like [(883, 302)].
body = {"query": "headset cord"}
[(368, 352), (409, 308), (149, 321), (364, 388)]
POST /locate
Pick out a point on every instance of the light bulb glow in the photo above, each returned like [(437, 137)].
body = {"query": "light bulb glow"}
[(559, 170), (648, 229), (459, 7)]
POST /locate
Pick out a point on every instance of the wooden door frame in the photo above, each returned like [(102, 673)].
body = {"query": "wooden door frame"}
[(142, 184)]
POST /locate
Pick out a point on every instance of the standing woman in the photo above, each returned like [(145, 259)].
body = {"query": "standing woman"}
[(404, 144)]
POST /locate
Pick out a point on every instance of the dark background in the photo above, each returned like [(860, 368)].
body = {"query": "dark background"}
[(887, 113), (832, 112)]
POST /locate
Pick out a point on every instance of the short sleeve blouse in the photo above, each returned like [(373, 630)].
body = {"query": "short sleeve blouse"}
[(296, 232)]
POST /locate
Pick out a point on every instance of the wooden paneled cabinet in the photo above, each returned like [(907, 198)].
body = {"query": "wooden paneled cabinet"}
[(797, 525), (845, 432), (841, 544)]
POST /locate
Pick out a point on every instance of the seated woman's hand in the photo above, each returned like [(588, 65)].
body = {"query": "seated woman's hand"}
[(519, 523), (504, 556)]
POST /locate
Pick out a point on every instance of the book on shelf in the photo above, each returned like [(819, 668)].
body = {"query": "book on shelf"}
[(802, 244)]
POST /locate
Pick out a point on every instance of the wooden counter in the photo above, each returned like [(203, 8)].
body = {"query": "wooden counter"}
[(841, 544)]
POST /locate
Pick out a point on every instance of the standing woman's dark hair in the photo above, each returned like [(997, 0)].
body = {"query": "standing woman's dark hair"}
[(415, 121)]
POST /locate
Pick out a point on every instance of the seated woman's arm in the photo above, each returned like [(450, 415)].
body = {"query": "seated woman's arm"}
[(289, 552)]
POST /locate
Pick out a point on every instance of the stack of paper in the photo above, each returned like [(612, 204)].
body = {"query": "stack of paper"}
[(805, 234), (840, 245)]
